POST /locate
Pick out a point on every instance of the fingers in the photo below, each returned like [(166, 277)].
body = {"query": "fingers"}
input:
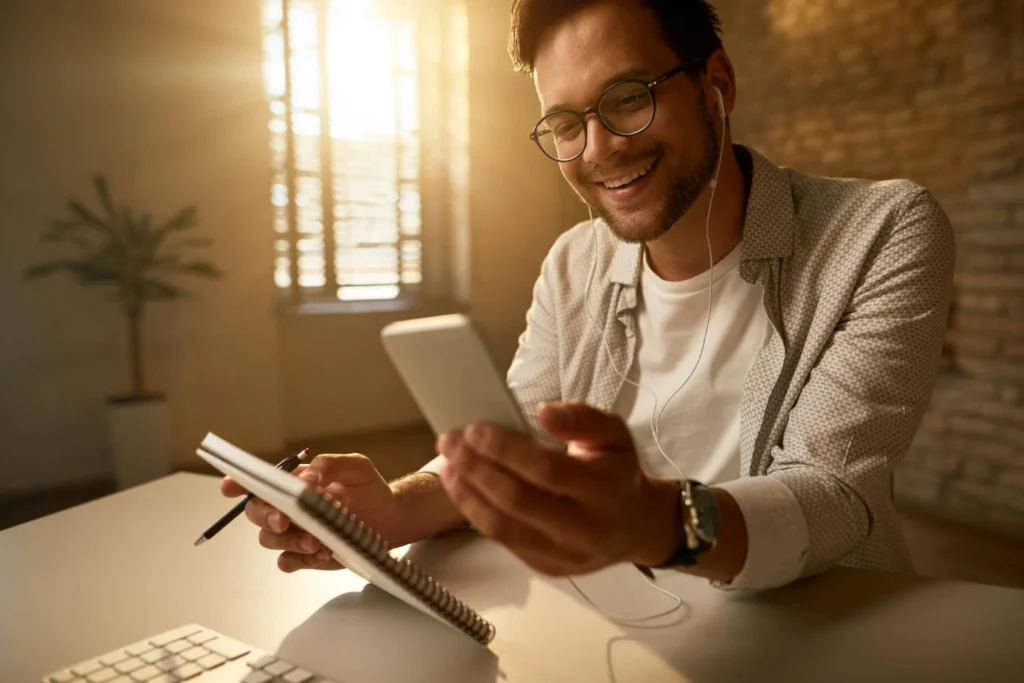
[(266, 516), (585, 426), (290, 562), (547, 469), (301, 550), (467, 475), (231, 488), (531, 545)]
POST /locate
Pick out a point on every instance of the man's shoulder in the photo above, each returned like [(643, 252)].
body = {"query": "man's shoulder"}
[(822, 196)]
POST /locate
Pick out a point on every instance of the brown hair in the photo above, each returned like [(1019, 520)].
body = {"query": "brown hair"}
[(690, 27)]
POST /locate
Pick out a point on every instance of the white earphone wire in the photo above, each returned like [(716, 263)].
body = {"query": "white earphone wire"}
[(655, 413)]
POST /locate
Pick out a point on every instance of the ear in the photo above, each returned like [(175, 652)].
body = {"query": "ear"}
[(720, 74)]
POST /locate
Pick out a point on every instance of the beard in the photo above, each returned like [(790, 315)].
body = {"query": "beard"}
[(687, 178)]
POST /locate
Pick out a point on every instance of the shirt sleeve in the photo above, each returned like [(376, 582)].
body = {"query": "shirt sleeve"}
[(777, 538), (857, 414)]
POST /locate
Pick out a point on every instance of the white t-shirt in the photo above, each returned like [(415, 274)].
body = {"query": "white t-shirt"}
[(700, 427)]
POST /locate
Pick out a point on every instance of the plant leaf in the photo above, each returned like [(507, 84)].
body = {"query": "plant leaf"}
[(89, 218), (103, 190), (204, 268), (185, 219), (158, 289), (88, 272), (76, 240)]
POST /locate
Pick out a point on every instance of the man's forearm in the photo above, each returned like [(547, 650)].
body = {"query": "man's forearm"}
[(423, 509)]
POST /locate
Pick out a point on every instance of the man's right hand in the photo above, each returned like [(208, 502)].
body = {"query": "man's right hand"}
[(351, 479)]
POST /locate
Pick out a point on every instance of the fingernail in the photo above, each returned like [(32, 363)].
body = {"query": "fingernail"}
[(311, 476), (476, 435), (323, 555), (276, 521), (446, 443), (309, 544)]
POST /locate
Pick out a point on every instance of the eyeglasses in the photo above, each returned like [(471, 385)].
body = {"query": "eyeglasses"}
[(625, 108)]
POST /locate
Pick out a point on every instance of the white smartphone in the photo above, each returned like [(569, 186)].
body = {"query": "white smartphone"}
[(450, 373)]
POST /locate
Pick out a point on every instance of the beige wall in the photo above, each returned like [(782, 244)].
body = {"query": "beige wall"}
[(165, 97)]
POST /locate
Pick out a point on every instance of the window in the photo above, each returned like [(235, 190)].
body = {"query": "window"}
[(368, 120)]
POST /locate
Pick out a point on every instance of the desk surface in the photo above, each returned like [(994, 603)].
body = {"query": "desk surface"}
[(83, 581)]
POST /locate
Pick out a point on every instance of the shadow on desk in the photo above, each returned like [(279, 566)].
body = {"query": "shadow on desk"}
[(372, 636)]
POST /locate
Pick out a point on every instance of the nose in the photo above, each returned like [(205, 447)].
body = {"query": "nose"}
[(601, 142)]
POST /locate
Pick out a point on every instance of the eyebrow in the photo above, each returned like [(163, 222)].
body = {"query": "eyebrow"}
[(634, 72)]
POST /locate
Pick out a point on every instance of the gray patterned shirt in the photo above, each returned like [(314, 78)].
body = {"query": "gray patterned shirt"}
[(856, 279)]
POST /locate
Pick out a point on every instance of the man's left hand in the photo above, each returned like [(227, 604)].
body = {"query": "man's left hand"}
[(562, 512)]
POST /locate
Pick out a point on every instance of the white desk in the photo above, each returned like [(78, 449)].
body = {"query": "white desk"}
[(83, 581)]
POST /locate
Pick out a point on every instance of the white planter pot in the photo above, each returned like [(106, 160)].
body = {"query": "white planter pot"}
[(140, 434)]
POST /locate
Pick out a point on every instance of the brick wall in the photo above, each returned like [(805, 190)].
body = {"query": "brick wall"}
[(931, 90)]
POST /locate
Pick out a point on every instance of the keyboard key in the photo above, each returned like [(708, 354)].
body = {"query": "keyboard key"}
[(129, 665), (171, 636), (86, 668), (171, 663), (112, 658), (279, 668), (190, 670), (146, 673), (211, 661), (123, 679), (102, 676), (227, 648), (261, 661), (298, 676), (161, 678), (63, 677), (201, 637), (138, 648), (256, 676), (195, 653), (178, 646)]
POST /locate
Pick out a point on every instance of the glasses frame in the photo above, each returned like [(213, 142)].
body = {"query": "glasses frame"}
[(595, 110)]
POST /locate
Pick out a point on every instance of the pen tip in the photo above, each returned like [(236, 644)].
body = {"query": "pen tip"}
[(199, 541)]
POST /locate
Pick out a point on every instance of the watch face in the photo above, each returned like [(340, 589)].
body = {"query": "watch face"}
[(707, 513)]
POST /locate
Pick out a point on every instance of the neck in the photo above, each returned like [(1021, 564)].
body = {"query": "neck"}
[(682, 252)]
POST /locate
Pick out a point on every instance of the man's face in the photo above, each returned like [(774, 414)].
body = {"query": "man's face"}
[(676, 154)]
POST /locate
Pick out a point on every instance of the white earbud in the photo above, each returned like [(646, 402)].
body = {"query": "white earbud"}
[(721, 103)]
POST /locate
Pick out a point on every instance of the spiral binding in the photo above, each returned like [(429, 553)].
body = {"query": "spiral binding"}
[(371, 546)]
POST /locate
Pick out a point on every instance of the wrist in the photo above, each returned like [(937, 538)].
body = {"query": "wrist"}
[(662, 521), (421, 508)]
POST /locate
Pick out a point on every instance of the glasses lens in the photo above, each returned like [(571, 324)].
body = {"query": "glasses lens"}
[(561, 135), (627, 108)]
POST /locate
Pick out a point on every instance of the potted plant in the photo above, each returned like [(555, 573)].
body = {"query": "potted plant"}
[(121, 250)]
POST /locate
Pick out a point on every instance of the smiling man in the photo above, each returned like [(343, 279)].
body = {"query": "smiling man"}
[(735, 355)]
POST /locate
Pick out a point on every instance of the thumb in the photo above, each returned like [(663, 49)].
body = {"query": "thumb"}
[(584, 425)]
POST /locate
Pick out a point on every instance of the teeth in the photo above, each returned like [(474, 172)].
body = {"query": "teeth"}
[(625, 180)]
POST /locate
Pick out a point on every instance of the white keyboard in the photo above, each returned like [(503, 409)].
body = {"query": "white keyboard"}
[(190, 653)]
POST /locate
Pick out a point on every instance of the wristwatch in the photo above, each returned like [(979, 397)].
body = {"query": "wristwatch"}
[(700, 525)]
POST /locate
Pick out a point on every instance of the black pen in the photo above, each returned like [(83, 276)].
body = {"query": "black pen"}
[(288, 464)]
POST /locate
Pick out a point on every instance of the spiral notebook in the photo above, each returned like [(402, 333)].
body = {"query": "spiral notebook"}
[(353, 544)]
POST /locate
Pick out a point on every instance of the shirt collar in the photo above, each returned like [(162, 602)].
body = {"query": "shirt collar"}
[(767, 229)]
